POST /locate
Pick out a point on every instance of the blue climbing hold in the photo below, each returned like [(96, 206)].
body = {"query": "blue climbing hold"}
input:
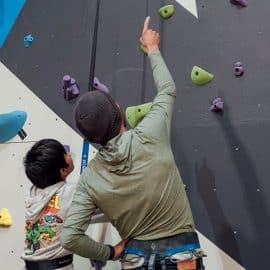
[(11, 124), (28, 39), (9, 11)]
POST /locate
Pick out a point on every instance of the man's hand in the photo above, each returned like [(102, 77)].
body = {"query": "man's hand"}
[(149, 39), (119, 249)]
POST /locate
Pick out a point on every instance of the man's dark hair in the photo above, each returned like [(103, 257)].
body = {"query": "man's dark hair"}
[(43, 162)]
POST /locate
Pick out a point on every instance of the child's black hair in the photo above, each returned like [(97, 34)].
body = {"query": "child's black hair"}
[(43, 162)]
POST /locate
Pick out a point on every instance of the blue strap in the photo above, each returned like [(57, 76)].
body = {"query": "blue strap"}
[(179, 249), (85, 152), (167, 253), (136, 251)]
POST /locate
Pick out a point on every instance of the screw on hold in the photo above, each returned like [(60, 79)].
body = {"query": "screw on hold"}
[(242, 3), (217, 105), (67, 148), (167, 11), (238, 69), (5, 218), (28, 39), (70, 88), (143, 49), (100, 86)]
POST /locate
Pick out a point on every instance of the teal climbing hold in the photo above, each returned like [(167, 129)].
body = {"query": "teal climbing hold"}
[(11, 124), (135, 114), (200, 76), (167, 11)]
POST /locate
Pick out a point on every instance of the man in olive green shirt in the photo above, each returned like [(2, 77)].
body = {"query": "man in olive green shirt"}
[(133, 179)]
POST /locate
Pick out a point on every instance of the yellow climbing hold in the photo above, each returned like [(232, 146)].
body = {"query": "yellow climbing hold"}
[(5, 218)]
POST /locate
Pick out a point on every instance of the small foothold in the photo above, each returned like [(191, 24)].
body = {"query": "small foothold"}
[(242, 3), (5, 218), (67, 148), (217, 105), (238, 69), (167, 11), (70, 88), (28, 39), (143, 49), (135, 114), (200, 76), (100, 86)]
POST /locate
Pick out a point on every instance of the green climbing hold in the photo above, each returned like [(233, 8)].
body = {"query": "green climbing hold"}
[(135, 114), (167, 11), (200, 76), (143, 49)]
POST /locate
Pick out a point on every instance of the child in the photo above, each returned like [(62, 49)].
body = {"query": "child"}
[(47, 165)]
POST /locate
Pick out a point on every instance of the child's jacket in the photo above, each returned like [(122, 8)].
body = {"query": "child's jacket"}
[(46, 210)]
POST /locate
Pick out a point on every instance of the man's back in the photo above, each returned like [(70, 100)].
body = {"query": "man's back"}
[(135, 182)]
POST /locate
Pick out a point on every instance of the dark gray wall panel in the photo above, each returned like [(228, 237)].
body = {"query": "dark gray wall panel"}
[(62, 32)]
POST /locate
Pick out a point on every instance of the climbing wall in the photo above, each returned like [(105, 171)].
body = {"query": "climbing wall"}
[(222, 157)]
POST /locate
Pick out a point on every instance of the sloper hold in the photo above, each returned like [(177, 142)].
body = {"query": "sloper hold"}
[(11, 124), (167, 11), (135, 114), (5, 218), (200, 76)]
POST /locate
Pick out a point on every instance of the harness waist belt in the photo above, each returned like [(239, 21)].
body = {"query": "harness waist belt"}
[(49, 264), (165, 246)]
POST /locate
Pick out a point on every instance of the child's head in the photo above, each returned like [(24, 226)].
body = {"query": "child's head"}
[(47, 163)]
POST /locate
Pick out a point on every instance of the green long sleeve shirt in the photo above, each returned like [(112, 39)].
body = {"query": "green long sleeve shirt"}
[(134, 180)]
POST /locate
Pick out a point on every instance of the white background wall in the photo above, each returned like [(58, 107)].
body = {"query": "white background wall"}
[(43, 123)]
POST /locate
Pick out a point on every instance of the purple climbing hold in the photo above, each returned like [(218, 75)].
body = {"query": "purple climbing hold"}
[(242, 3), (238, 69), (100, 86), (66, 81), (75, 90), (217, 105), (70, 88), (72, 81), (67, 148)]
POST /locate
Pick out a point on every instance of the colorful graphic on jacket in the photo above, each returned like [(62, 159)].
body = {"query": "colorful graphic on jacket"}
[(53, 205), (44, 231)]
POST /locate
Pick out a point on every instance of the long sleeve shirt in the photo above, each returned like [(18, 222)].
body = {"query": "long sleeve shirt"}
[(133, 180)]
